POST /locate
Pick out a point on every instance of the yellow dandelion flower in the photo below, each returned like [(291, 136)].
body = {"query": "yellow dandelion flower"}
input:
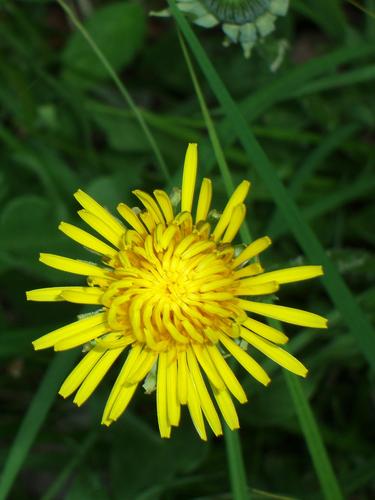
[(173, 299)]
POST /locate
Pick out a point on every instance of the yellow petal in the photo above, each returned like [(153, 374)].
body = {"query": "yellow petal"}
[(161, 397), (131, 218), (96, 375), (173, 404), (204, 200), (83, 295), (52, 294), (143, 366), (236, 220), (182, 377), (92, 206), (195, 408), (237, 198), (81, 338), (266, 331), (77, 327), (255, 248), (123, 398), (168, 236), (80, 372), (189, 177), (150, 205), (121, 394), (87, 240), (212, 372), (205, 399), (102, 227), (281, 357), (289, 275), (226, 373), (227, 408), (287, 314), (261, 289), (245, 360), (165, 204), (72, 265), (250, 270)]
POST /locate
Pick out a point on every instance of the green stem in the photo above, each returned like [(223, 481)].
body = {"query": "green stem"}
[(237, 472), (318, 453), (123, 91)]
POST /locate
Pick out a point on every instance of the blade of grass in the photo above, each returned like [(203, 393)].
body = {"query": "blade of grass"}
[(34, 418), (360, 187), (236, 465), (308, 168), (361, 75), (335, 285), (309, 426), (363, 9), (121, 87), (78, 457), (310, 429), (281, 88), (326, 13), (232, 442)]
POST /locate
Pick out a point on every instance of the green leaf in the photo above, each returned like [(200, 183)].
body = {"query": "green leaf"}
[(123, 134), (152, 461), (28, 226), (23, 224), (272, 406), (118, 29)]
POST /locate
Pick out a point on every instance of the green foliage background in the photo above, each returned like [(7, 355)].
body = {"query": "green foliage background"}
[(64, 125)]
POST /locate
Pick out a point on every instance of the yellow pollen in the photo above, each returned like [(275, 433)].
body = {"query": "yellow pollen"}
[(172, 283)]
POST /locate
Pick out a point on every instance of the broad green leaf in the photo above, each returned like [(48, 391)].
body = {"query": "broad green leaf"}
[(118, 29), (152, 461)]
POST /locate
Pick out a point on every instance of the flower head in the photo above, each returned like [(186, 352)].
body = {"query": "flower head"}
[(243, 21), (173, 299)]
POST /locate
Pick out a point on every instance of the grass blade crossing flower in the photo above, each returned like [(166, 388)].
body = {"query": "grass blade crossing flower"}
[(171, 294)]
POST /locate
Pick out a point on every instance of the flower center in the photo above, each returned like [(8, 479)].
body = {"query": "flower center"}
[(173, 286), (237, 11)]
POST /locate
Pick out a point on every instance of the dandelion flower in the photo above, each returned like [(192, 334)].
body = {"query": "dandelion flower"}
[(173, 300), (243, 21)]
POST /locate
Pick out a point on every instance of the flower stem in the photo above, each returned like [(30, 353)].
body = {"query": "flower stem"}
[(237, 472)]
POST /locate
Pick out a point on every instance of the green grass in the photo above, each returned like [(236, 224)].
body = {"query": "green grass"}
[(118, 119)]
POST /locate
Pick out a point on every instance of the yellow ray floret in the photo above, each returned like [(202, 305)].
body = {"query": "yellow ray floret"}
[(174, 301), (189, 177), (86, 239)]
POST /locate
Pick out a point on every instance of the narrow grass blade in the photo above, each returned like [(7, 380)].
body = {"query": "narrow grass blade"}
[(34, 418), (310, 429), (236, 465), (360, 187), (309, 167), (123, 91), (361, 75), (281, 88), (335, 285)]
